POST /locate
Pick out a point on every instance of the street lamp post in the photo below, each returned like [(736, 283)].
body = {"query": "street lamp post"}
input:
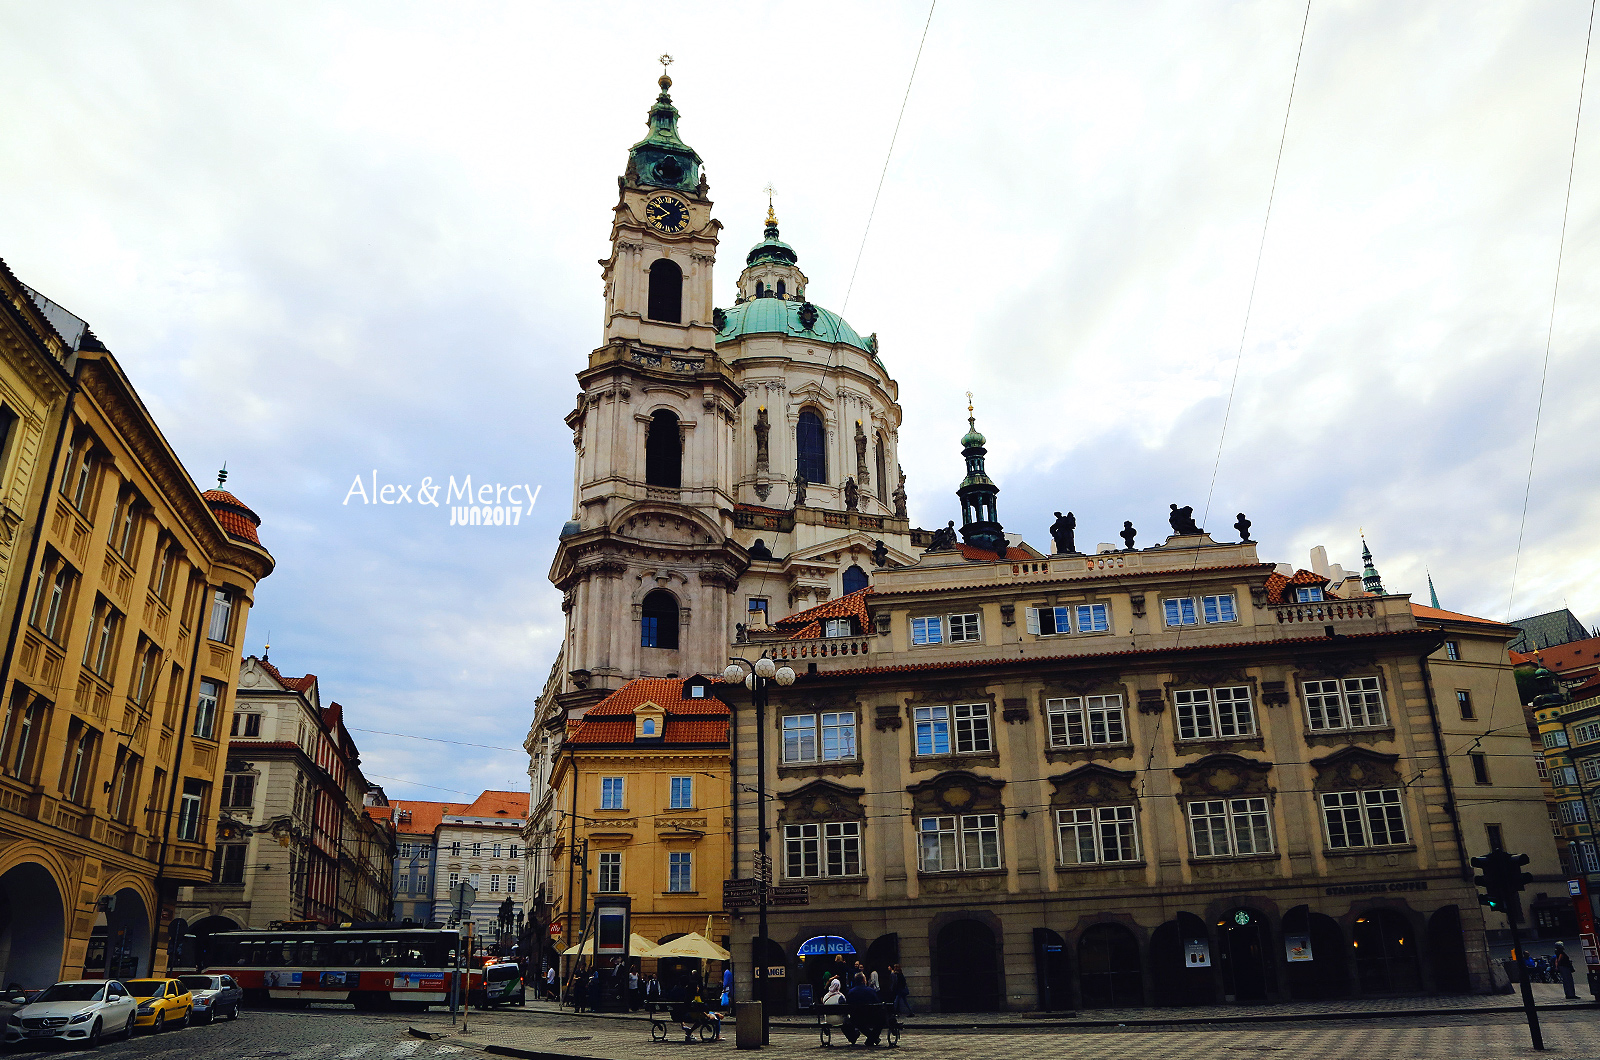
[(763, 672)]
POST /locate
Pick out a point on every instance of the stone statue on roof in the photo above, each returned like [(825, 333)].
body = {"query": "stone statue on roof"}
[(800, 490), (900, 494), (944, 539), (1128, 534), (1061, 531), (763, 428), (852, 495), (1182, 520), (1243, 526)]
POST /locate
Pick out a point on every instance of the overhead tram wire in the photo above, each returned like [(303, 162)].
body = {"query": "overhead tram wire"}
[(887, 156)]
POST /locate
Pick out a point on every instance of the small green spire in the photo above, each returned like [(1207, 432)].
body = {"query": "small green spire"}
[(662, 159), (1432, 593), (1369, 574)]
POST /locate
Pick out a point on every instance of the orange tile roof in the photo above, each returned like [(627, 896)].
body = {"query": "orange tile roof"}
[(1277, 583), (688, 720), (299, 684), (760, 509), (498, 804), (1424, 613), (1561, 658), (664, 692), (983, 555), (234, 515), (425, 816), (807, 624)]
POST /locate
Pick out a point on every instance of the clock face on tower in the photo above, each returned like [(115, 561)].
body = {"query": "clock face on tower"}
[(666, 214)]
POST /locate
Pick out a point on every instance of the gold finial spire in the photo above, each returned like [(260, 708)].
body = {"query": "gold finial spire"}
[(970, 416), (665, 82), (772, 218)]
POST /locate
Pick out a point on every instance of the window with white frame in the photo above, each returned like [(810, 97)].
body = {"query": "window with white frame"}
[(1093, 618), (1219, 608), (611, 793), (838, 627), (477, 850), (1544, 770), (1214, 713), (495, 851), (511, 884), (405, 850), (494, 883), (1093, 835), (422, 882), (1564, 776), (1180, 611), (1353, 703), (1308, 594), (801, 743), (1363, 818), (963, 628), (964, 842), (831, 848), (473, 878), (1086, 721), (1585, 732), (1572, 812), (960, 729), (455, 879), (1452, 650), (1048, 621), (682, 793), (680, 872), (610, 871), (1590, 767), (1229, 827), (1555, 738), (927, 630)]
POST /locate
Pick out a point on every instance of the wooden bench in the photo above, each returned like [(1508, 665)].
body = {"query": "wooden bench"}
[(874, 1025), (669, 1016)]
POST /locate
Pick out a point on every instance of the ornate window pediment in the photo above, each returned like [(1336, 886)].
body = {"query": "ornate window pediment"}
[(1351, 768), (1091, 785), (821, 800), (1224, 775), (957, 791)]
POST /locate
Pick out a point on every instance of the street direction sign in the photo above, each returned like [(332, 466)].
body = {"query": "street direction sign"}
[(736, 893), (797, 894), (761, 867)]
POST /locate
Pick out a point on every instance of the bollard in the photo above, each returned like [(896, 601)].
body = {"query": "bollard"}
[(747, 1016)]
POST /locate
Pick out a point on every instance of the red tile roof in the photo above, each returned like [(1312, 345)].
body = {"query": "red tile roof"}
[(983, 555), (760, 509), (1424, 613), (807, 624), (425, 816), (236, 518), (1278, 583), (498, 804), (1021, 660), (299, 684), (1561, 658), (687, 720)]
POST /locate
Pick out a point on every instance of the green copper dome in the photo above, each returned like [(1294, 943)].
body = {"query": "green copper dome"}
[(972, 439), (765, 316)]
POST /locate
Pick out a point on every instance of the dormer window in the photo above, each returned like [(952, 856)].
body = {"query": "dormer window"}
[(697, 691), (648, 722), (837, 627), (647, 727), (1308, 595)]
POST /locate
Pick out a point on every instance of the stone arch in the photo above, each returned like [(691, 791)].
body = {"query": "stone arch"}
[(663, 450), (811, 443), (125, 932), (33, 925), (658, 620), (197, 942), (968, 968), (1110, 969)]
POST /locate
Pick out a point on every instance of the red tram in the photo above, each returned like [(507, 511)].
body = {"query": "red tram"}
[(372, 968)]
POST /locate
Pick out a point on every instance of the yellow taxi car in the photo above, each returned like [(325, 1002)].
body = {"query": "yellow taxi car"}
[(161, 1003)]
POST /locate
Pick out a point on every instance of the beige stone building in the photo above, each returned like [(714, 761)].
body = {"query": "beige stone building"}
[(303, 836), (118, 678)]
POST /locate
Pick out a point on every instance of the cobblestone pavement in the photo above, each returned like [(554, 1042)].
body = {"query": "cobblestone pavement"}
[(317, 1034)]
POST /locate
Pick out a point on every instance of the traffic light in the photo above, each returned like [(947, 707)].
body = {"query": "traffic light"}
[(1501, 878)]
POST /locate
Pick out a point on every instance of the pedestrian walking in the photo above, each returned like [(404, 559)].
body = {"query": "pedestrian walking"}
[(1563, 966), (550, 992), (577, 991), (635, 994), (900, 989)]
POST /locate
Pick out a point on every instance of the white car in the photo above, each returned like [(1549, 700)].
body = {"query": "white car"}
[(79, 1010)]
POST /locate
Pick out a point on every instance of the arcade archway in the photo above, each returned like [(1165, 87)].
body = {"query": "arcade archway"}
[(32, 927), (119, 944), (1386, 953), (1109, 974), (966, 967)]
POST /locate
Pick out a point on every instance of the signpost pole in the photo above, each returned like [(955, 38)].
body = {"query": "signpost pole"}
[(759, 695)]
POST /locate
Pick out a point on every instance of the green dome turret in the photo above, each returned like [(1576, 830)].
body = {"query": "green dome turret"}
[(661, 159), (771, 248), (980, 518)]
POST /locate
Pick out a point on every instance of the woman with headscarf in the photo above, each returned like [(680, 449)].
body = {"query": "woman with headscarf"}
[(835, 996)]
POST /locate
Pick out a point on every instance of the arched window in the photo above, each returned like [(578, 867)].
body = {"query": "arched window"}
[(810, 457), (663, 451), (854, 578), (761, 289), (780, 288), (658, 625), (884, 491), (666, 292), (648, 727)]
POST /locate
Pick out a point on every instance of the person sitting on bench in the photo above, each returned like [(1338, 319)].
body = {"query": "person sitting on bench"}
[(865, 1017)]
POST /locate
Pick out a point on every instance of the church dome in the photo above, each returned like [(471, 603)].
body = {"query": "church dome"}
[(765, 316), (973, 438)]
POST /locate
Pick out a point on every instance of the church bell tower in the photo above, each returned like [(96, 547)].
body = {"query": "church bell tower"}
[(647, 563)]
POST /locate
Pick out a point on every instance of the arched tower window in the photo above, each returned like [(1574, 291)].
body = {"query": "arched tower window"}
[(884, 491), (658, 625), (811, 458), (854, 578), (780, 288), (663, 451), (761, 289), (666, 292)]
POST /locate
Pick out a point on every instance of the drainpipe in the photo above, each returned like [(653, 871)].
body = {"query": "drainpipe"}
[(1444, 764)]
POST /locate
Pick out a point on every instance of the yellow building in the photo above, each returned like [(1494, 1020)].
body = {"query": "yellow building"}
[(641, 780), (121, 651)]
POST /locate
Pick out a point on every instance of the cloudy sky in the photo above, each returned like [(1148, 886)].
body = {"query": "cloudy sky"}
[(328, 240)]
